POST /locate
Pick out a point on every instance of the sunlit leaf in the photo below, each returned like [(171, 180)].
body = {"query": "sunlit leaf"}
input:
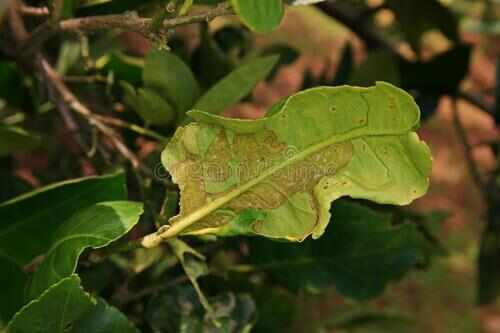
[(93, 227), (55, 310), (277, 176), (28, 222)]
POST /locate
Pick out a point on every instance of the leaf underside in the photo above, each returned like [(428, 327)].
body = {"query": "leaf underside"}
[(277, 176)]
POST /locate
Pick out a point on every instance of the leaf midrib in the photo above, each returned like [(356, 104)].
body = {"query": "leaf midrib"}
[(221, 201)]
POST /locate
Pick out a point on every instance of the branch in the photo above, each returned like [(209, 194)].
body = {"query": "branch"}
[(128, 21), (63, 97), (33, 11), (471, 164)]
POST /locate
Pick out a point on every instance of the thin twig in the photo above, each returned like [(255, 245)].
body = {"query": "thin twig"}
[(129, 21), (66, 97), (19, 31), (132, 127), (33, 11), (471, 164)]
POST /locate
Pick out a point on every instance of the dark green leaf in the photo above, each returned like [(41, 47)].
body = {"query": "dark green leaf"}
[(94, 227), (103, 319), (28, 222), (123, 67), (12, 282), (55, 310), (360, 253), (238, 84), (171, 78), (149, 105)]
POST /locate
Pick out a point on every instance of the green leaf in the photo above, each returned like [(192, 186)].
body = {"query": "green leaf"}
[(12, 280), (195, 267), (123, 67), (360, 253), (28, 222), (104, 319), (93, 227), (236, 85), (14, 139), (55, 310), (172, 79), (149, 105), (262, 16), (277, 176)]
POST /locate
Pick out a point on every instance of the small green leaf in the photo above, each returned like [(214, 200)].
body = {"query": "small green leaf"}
[(28, 222), (171, 78), (149, 105), (360, 253), (12, 282), (262, 16), (236, 85), (123, 67), (103, 318), (55, 310), (323, 144), (93, 227), (14, 139), (195, 267)]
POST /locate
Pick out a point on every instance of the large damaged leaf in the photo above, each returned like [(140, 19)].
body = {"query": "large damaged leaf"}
[(277, 176)]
